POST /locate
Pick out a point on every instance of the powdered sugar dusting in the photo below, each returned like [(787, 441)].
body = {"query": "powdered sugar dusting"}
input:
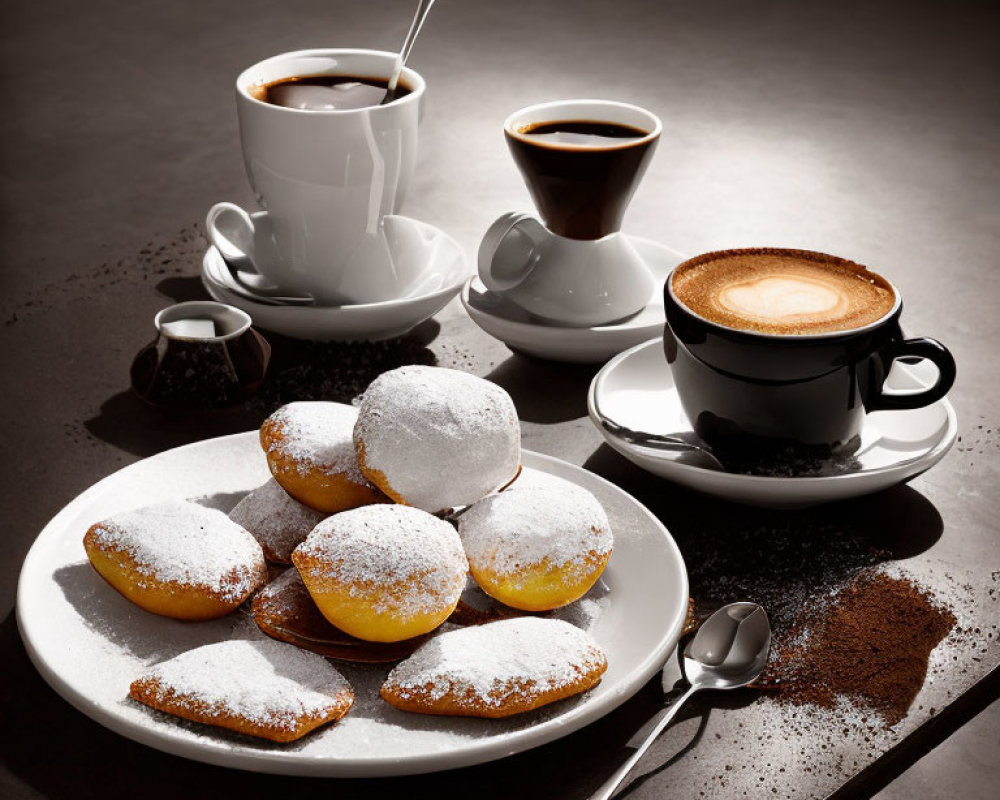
[(550, 520), (276, 520), (264, 682), (319, 434), (187, 544), (487, 663), (442, 438), (404, 558)]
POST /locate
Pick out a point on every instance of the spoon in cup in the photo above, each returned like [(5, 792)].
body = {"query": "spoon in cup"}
[(729, 651), (423, 7)]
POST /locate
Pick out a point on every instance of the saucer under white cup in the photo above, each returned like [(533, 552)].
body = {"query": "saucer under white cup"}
[(505, 320), (573, 282), (386, 266), (434, 266), (636, 390)]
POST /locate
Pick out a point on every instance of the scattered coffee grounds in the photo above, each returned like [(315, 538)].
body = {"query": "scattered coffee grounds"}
[(335, 371), (784, 458), (868, 642), (790, 461)]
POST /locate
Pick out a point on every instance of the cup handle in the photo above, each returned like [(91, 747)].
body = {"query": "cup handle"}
[(932, 350), (509, 250), (230, 229)]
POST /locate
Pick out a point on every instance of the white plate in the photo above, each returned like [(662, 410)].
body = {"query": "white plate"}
[(520, 331), (89, 643), (443, 269), (637, 391)]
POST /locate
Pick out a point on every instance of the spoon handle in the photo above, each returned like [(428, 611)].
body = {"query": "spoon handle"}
[(615, 780), (418, 20)]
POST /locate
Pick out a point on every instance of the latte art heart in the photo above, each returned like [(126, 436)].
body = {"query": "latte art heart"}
[(782, 297), (782, 291)]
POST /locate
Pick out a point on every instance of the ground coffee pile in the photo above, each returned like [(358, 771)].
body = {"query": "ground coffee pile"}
[(868, 643)]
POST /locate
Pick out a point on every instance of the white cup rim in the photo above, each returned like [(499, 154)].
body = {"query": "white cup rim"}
[(593, 103), (410, 76)]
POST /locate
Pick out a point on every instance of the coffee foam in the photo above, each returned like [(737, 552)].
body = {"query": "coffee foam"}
[(782, 291)]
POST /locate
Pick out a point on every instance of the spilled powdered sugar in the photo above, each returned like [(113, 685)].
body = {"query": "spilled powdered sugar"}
[(490, 662), (264, 682), (441, 437), (541, 520), (319, 435), (187, 544), (276, 520), (405, 559)]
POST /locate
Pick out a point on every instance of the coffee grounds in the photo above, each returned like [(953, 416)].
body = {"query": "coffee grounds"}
[(868, 642), (332, 371)]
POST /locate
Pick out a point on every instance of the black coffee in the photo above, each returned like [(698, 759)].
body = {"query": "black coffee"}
[(583, 133), (581, 173), (326, 92)]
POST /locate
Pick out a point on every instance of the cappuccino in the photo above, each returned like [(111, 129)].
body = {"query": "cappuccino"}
[(784, 292)]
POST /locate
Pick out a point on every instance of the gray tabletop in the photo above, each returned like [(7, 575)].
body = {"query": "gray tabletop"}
[(860, 129)]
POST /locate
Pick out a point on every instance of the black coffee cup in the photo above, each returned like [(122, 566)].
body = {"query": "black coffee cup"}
[(749, 389)]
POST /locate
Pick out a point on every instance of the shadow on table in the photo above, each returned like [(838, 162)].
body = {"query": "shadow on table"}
[(299, 370), (779, 558), (545, 391), (181, 289), (897, 523)]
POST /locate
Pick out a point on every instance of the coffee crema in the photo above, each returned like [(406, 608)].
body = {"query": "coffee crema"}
[(782, 291), (325, 92)]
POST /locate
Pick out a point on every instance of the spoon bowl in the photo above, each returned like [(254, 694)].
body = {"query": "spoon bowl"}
[(729, 651)]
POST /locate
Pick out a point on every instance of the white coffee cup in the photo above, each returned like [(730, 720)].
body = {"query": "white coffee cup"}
[(575, 282), (327, 178)]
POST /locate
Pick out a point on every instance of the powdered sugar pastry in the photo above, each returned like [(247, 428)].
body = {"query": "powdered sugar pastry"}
[(187, 544)]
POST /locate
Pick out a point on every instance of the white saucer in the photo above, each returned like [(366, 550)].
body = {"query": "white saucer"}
[(524, 333), (444, 271), (636, 390)]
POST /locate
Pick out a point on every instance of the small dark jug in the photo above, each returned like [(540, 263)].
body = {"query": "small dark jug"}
[(205, 357)]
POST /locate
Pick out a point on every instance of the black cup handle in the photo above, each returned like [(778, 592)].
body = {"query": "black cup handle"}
[(930, 349)]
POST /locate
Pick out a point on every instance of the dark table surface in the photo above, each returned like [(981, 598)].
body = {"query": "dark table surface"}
[(862, 129)]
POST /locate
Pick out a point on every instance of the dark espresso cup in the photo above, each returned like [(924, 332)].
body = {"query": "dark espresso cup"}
[(582, 161), (772, 347)]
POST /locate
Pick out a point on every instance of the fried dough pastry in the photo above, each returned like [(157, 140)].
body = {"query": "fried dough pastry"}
[(383, 573), (276, 520), (177, 559), (437, 438), (497, 669), (310, 451), (539, 545), (261, 688)]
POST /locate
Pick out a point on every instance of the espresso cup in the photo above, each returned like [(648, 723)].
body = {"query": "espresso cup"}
[(582, 161), (327, 177), (773, 347)]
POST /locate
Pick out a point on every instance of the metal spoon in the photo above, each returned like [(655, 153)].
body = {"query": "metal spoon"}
[(423, 6), (676, 448), (728, 652)]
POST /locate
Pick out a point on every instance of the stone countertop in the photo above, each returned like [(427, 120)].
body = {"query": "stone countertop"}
[(865, 131)]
